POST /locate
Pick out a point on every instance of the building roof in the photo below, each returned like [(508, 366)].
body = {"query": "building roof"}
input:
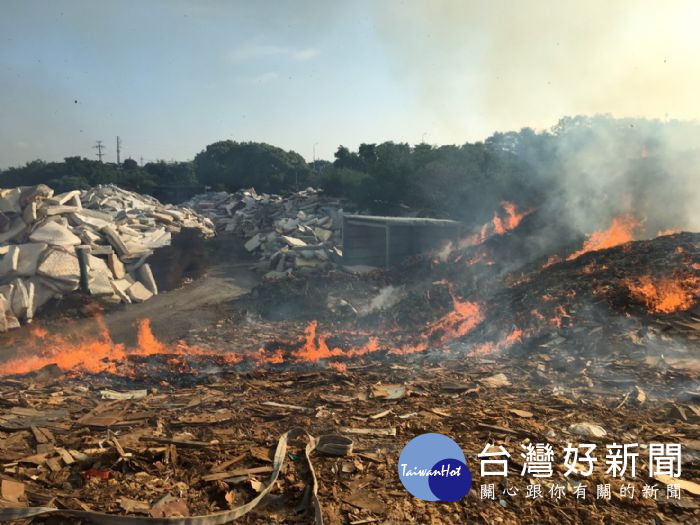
[(406, 221)]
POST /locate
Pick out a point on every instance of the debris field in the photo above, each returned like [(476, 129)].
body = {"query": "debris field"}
[(295, 406)]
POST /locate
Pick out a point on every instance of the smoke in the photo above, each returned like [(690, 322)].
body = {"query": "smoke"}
[(640, 168), (386, 298), (477, 67)]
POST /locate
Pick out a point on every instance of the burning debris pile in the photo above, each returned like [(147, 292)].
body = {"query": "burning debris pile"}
[(597, 342), (636, 301), (105, 234), (596, 348), (300, 232)]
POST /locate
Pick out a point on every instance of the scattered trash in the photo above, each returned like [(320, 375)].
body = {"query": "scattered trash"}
[(588, 430)]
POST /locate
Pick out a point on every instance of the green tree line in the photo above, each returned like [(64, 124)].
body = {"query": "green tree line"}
[(466, 182)]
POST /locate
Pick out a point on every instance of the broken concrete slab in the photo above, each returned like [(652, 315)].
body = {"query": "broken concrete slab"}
[(116, 266), (29, 214), (40, 292), (16, 228), (71, 197), (116, 241), (99, 284), (145, 276), (323, 234), (120, 287), (138, 293), (29, 256), (20, 301), (9, 262), (10, 200), (253, 243), (293, 241), (54, 234), (60, 265)]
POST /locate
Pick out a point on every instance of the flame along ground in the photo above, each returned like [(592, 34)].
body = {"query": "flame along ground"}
[(102, 354), (94, 354)]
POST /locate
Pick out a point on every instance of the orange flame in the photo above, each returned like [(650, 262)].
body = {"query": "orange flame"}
[(93, 355), (560, 314), (620, 231), (504, 343), (665, 295), (102, 354), (498, 225)]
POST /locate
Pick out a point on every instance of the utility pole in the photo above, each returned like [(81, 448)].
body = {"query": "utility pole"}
[(119, 143), (99, 147)]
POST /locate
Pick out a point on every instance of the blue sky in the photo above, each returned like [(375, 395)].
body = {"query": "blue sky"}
[(170, 77)]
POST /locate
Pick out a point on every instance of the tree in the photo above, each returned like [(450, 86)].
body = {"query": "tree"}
[(130, 164), (236, 165)]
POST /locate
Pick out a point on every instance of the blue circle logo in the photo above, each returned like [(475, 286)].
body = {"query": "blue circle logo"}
[(432, 467)]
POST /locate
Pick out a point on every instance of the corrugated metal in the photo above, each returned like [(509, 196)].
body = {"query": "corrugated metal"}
[(382, 241)]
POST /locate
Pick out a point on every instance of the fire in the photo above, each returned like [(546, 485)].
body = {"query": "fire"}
[(93, 354), (665, 295), (499, 225), (457, 323), (461, 320), (551, 261), (559, 315), (621, 230), (661, 233), (315, 346), (504, 343), (513, 219)]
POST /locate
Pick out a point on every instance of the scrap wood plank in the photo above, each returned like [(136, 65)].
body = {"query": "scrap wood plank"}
[(179, 442), (100, 421), (369, 431), (503, 430), (233, 473), (690, 486), (65, 456), (226, 464), (21, 418), (285, 405)]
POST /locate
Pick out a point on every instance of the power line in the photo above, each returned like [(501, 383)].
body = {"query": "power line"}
[(99, 147)]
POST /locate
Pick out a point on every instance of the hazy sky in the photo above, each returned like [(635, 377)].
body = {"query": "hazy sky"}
[(172, 76)]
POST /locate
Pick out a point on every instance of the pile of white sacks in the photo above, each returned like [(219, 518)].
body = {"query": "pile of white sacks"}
[(115, 231)]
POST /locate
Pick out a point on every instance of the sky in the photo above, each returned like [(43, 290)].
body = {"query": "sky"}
[(171, 76)]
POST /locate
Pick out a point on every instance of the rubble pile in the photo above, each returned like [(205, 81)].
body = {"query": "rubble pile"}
[(296, 233), (98, 240)]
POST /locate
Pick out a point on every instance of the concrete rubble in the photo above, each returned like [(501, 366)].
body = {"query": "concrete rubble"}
[(297, 233), (43, 237)]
